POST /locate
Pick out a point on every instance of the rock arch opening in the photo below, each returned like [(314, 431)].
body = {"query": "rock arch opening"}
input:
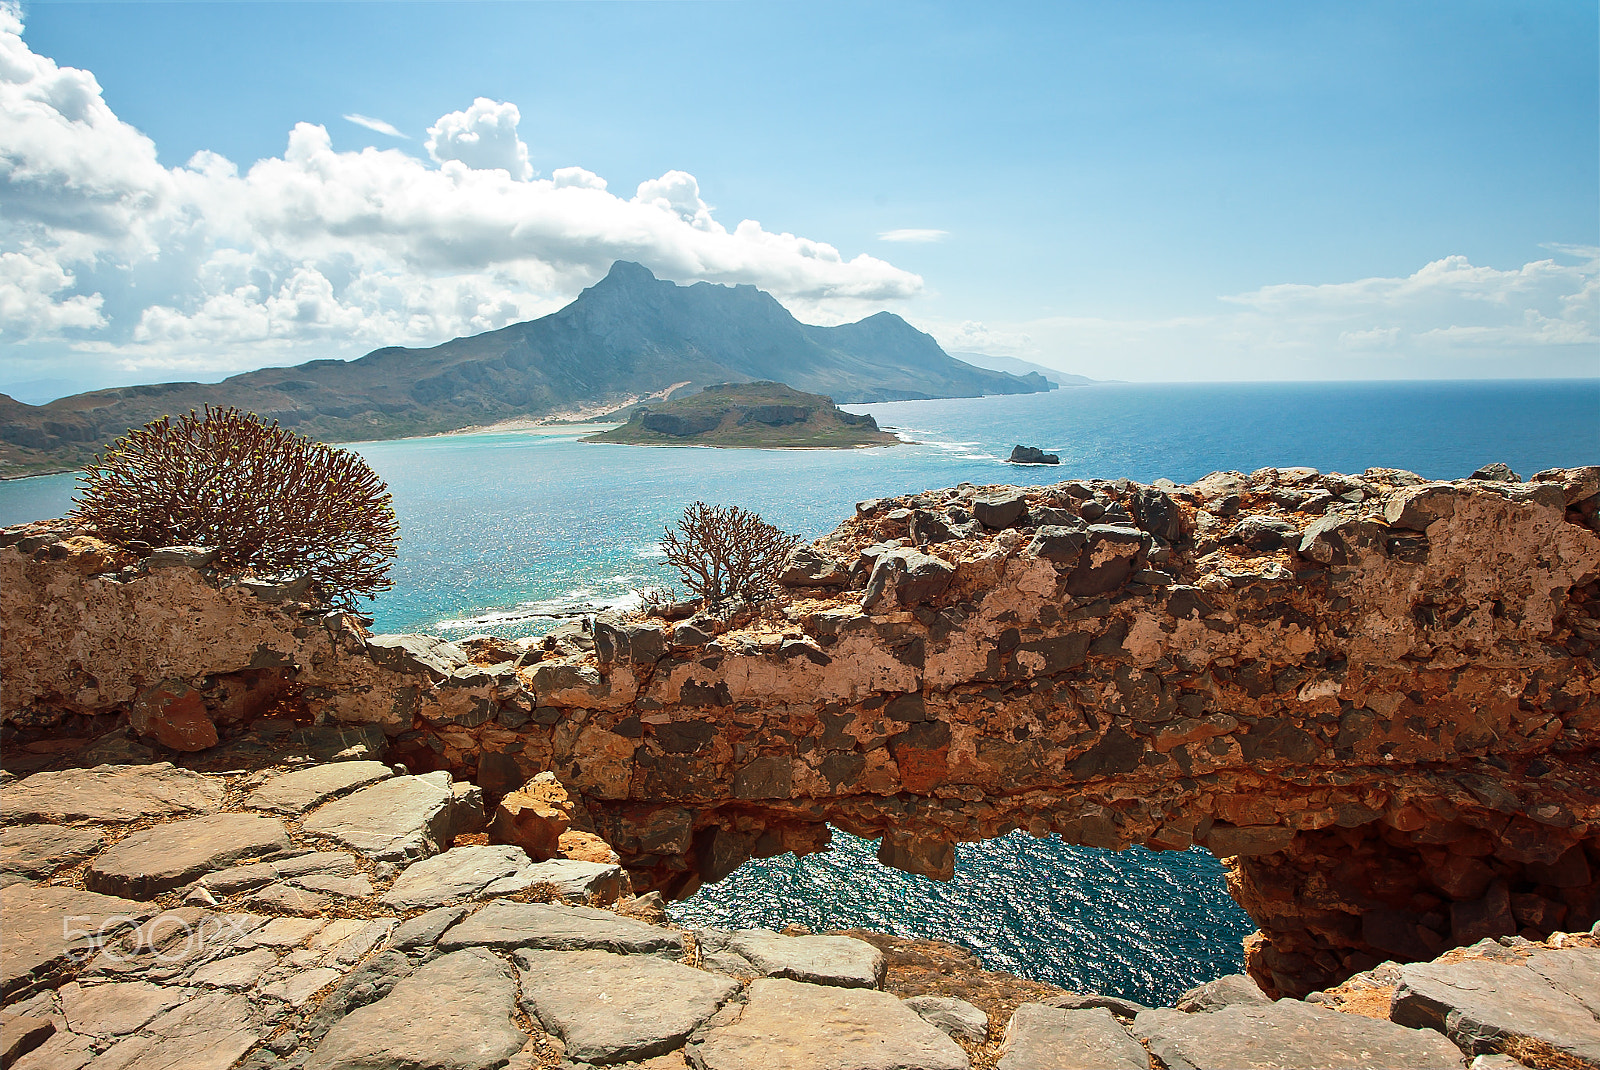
[(1375, 697)]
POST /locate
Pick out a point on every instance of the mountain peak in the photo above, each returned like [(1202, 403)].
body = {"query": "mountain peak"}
[(629, 273)]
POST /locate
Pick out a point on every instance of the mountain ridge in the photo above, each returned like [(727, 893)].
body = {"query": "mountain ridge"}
[(626, 337)]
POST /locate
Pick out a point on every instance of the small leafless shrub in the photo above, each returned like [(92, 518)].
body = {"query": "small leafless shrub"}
[(722, 551), (271, 502)]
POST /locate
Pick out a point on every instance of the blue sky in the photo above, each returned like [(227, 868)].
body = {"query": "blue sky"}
[(1137, 191)]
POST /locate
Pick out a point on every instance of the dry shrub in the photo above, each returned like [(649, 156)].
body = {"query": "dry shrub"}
[(722, 551), (271, 502)]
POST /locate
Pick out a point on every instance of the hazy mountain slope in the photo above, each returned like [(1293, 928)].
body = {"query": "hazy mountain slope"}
[(627, 336), (1018, 366)]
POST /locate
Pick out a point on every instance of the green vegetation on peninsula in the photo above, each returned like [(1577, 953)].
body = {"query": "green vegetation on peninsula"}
[(748, 415)]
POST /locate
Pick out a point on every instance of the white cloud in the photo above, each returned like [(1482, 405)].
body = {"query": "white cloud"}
[(115, 260), (1448, 318), (483, 137), (914, 234), (375, 124), (971, 336)]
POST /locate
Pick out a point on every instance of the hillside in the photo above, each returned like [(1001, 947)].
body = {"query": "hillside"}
[(628, 336), (1018, 366), (749, 415)]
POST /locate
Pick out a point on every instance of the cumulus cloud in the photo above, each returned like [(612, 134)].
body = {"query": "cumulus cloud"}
[(112, 258), (484, 137), (914, 234), (375, 124)]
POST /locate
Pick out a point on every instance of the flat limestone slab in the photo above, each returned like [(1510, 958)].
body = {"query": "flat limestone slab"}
[(578, 880), (506, 925), (295, 793), (236, 879), (113, 1010), (110, 794), (37, 851), (821, 960), (453, 1013), (50, 931), (165, 857), (462, 872), (1479, 1001), (402, 818), (801, 1026), (951, 1016), (1051, 1038), (208, 1033), (1288, 1033), (1576, 971), (609, 1008)]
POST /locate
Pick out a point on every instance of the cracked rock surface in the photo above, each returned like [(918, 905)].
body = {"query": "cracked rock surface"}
[(426, 963)]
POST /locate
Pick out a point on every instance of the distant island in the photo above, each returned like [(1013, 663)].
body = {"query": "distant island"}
[(627, 338), (750, 416)]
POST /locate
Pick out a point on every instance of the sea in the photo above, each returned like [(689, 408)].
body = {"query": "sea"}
[(513, 532)]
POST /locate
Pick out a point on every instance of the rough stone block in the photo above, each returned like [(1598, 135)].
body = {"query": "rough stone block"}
[(164, 857)]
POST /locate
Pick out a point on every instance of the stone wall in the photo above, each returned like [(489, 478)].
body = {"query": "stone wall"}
[(1376, 697)]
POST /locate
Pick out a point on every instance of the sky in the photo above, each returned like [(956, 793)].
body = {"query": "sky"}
[(1138, 191)]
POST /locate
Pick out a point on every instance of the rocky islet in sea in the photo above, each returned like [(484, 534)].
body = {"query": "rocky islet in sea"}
[(351, 904)]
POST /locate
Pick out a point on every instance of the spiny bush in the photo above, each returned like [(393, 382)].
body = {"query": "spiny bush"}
[(271, 502), (722, 551)]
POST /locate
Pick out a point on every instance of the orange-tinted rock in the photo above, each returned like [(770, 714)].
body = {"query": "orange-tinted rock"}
[(534, 817), (174, 715), (586, 847)]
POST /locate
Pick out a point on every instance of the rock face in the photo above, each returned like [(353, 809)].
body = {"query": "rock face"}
[(330, 959), (1032, 455), (1376, 696)]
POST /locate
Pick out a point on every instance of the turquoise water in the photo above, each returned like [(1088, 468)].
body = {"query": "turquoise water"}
[(500, 528)]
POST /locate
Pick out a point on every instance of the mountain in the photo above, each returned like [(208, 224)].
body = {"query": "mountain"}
[(749, 415), (628, 336), (1017, 366)]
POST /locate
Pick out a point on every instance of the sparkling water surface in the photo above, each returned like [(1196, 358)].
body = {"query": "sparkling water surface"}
[(499, 530)]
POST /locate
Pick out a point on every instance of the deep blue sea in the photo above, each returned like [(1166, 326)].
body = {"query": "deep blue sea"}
[(499, 530)]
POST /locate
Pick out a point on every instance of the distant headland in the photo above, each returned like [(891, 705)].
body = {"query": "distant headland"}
[(748, 415)]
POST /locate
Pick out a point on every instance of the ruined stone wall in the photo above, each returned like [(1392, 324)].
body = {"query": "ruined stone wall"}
[(1377, 697)]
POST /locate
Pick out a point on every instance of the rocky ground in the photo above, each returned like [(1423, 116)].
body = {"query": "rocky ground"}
[(321, 909)]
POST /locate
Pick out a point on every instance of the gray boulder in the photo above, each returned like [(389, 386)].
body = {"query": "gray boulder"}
[(1496, 473), (163, 857), (1059, 544), (454, 1013), (37, 851), (111, 794), (822, 960), (609, 1008), (910, 577), (419, 654), (505, 925), (1113, 553), (296, 792), (953, 1017), (999, 510), (1267, 533), (807, 567), (463, 872), (798, 1026), (1052, 1038), (1288, 1033), (402, 818), (1235, 988), (1480, 1003)]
